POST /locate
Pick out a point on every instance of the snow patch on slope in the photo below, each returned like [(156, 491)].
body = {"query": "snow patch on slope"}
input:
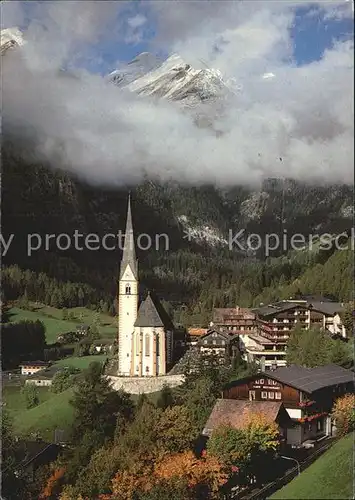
[(201, 233), (171, 79), (10, 38)]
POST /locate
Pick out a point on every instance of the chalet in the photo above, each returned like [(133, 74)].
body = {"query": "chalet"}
[(31, 367), (220, 343), (308, 395), (236, 319), (273, 324), (44, 377), (194, 334), (235, 412), (280, 318), (263, 351)]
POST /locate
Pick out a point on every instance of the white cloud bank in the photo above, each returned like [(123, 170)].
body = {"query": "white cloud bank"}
[(302, 114)]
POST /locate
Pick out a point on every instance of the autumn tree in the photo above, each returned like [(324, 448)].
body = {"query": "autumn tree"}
[(344, 414), (198, 478), (53, 484), (248, 449), (174, 429)]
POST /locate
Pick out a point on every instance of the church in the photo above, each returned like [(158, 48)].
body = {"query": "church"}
[(145, 334)]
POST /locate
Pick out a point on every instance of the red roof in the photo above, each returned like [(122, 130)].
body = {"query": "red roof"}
[(197, 332)]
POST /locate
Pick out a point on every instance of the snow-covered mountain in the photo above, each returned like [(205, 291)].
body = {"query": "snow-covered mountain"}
[(10, 38), (173, 79), (139, 66)]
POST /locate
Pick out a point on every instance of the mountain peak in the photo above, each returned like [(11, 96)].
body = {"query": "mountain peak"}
[(139, 66), (11, 37), (173, 79)]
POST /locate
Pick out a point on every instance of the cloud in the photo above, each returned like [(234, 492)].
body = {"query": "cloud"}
[(137, 21), (12, 14), (110, 136)]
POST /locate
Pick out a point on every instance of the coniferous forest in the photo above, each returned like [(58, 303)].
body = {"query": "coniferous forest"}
[(193, 273)]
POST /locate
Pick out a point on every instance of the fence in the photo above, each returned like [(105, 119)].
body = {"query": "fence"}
[(269, 489)]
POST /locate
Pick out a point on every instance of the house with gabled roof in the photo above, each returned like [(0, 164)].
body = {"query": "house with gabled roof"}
[(235, 413), (220, 343), (308, 394)]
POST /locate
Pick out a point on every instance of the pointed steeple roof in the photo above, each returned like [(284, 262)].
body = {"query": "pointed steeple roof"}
[(152, 313), (129, 252)]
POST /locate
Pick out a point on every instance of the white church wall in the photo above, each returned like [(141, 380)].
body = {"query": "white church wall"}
[(127, 315), (138, 385)]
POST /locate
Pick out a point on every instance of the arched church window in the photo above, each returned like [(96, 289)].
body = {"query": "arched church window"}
[(147, 344), (128, 289), (138, 343), (157, 345)]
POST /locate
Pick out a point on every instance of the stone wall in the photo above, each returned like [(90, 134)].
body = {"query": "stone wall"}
[(138, 385)]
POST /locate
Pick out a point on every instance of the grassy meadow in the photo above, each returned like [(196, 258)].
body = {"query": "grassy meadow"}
[(329, 477), (54, 323), (81, 362)]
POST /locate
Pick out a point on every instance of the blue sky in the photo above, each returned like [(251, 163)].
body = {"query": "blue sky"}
[(311, 34), (282, 104)]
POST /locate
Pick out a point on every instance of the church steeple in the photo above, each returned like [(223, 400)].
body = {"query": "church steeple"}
[(129, 252)]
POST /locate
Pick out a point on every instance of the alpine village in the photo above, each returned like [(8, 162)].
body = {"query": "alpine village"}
[(191, 371)]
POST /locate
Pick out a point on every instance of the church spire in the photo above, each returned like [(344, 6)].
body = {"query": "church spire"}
[(129, 252)]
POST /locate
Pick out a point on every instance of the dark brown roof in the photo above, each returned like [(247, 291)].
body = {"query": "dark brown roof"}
[(311, 379), (231, 313), (232, 412), (34, 363), (326, 307), (304, 379), (260, 340), (276, 308), (152, 313), (220, 333)]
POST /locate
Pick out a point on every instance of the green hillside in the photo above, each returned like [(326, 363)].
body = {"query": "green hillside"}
[(330, 477), (51, 317), (55, 412), (82, 362)]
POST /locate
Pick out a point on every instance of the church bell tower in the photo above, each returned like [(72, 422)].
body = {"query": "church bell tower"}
[(127, 298)]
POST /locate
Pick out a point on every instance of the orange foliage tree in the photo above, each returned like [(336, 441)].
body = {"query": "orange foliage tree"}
[(206, 471), (52, 482), (183, 468), (344, 414), (248, 448)]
